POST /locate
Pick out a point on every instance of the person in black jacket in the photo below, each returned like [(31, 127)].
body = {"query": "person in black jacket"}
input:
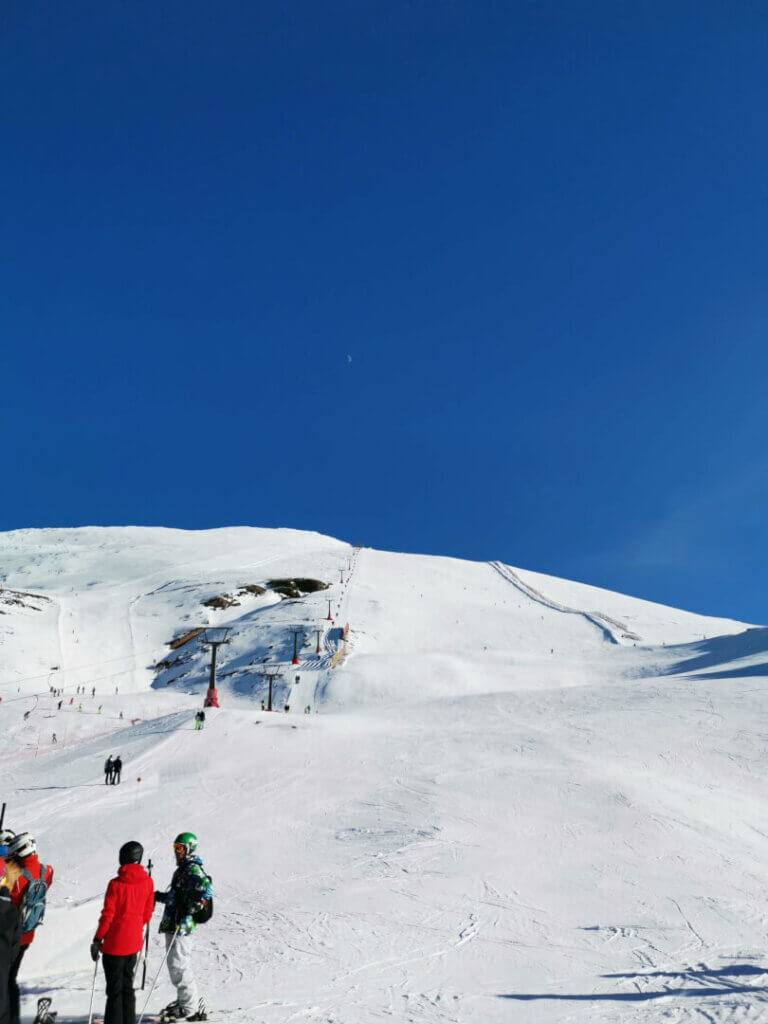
[(10, 936)]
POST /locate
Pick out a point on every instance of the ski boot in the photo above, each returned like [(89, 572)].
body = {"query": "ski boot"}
[(199, 1013), (172, 1012), (44, 1014)]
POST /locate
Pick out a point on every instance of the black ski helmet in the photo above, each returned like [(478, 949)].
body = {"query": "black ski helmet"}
[(131, 853)]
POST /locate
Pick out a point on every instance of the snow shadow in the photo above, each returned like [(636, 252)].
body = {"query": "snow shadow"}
[(261, 638), (634, 997), (718, 651), (734, 971), (690, 984), (75, 785), (744, 672)]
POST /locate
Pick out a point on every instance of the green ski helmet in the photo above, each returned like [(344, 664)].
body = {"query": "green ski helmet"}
[(185, 844)]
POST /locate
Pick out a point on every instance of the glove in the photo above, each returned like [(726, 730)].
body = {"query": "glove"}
[(95, 949), (186, 925), (159, 896)]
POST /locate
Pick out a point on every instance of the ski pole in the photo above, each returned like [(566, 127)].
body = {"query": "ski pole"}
[(146, 938), (93, 990), (157, 976)]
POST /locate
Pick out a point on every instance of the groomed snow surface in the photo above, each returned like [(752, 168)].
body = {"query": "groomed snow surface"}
[(516, 798)]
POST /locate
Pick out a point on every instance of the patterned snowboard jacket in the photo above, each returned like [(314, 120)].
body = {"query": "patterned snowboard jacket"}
[(189, 890)]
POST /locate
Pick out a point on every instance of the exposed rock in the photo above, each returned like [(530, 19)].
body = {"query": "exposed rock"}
[(287, 588), (179, 641), (221, 602), (296, 587), (166, 663), (309, 586)]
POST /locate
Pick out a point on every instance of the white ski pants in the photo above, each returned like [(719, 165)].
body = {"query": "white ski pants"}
[(180, 970)]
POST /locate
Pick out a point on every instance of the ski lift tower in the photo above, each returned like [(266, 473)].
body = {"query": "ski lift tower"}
[(213, 638), (271, 678)]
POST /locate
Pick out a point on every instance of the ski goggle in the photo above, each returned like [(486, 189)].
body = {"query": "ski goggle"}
[(179, 847)]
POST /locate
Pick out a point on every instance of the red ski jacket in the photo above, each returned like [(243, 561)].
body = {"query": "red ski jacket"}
[(128, 906), (32, 865)]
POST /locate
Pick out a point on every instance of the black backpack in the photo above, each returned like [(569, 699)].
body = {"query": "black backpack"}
[(205, 913)]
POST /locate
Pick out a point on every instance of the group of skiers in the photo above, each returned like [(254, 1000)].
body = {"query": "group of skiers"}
[(120, 935), (24, 883), (113, 768), (127, 910)]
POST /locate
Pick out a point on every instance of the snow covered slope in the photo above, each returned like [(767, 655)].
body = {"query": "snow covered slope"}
[(516, 798)]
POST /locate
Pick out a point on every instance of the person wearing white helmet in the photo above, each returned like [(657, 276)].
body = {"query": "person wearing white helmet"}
[(29, 882)]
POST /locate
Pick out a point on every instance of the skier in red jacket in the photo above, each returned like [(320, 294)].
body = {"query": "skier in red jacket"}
[(128, 907), (27, 873)]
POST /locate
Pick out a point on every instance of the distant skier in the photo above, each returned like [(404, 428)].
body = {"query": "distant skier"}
[(31, 881), (201, 716), (188, 901), (10, 936), (59, 707), (128, 906), (109, 767), (117, 770)]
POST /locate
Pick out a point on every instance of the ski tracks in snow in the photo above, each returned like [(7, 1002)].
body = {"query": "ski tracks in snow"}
[(611, 630)]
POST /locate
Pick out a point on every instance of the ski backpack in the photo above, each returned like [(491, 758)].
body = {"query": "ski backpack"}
[(205, 913), (33, 900)]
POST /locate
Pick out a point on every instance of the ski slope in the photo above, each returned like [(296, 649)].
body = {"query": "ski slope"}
[(516, 797)]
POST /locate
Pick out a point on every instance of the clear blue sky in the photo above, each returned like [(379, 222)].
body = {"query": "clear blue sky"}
[(538, 229)]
